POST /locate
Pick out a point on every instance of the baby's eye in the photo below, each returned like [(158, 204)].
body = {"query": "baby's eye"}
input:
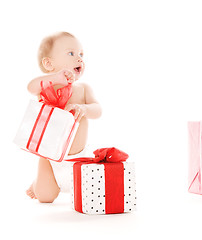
[(81, 54), (70, 53)]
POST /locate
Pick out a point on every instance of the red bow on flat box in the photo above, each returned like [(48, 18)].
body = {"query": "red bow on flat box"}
[(105, 174), (54, 98)]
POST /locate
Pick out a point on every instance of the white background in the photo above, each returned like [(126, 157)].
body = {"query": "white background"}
[(143, 60)]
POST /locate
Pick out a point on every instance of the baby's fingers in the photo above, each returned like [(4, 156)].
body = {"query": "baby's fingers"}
[(69, 76), (80, 115), (70, 107), (78, 112)]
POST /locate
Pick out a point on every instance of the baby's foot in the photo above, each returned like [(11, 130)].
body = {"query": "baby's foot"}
[(30, 192)]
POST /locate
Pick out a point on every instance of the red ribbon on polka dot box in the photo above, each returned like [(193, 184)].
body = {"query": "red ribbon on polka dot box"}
[(104, 184)]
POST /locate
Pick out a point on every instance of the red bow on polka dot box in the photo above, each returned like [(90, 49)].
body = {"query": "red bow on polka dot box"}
[(104, 184)]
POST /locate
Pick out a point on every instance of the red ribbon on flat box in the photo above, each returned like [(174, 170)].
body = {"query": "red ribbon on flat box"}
[(112, 159), (50, 99)]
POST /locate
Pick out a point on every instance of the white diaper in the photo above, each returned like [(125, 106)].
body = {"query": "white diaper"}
[(62, 170)]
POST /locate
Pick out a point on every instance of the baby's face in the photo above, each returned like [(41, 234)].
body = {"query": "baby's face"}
[(67, 53)]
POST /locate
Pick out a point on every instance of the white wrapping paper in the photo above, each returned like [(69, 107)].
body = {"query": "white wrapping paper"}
[(55, 136)]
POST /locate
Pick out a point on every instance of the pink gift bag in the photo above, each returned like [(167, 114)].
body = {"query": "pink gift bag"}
[(195, 157)]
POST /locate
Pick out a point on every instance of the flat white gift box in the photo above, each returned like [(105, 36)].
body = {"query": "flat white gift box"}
[(93, 188), (46, 131)]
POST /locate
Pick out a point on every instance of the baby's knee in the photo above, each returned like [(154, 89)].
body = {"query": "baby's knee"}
[(46, 199)]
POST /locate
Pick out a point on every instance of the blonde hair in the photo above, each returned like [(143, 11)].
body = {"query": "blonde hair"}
[(46, 47)]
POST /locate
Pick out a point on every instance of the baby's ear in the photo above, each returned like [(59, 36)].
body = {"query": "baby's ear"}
[(47, 64)]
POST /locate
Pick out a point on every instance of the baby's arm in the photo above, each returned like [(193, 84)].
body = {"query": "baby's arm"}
[(61, 78), (91, 109)]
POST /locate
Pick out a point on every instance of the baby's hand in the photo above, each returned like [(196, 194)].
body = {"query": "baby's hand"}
[(79, 110), (65, 76)]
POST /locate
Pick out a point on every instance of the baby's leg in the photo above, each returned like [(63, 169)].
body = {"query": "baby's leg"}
[(45, 188)]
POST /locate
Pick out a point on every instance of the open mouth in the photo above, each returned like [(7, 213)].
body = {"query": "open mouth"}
[(78, 70)]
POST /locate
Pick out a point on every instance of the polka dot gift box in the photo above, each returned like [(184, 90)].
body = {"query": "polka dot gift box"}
[(104, 184)]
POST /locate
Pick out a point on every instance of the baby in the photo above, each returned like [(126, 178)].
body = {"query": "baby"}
[(61, 56)]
